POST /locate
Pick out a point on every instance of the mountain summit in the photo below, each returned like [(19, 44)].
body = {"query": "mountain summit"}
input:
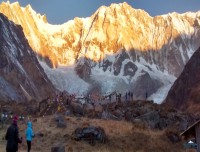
[(117, 48)]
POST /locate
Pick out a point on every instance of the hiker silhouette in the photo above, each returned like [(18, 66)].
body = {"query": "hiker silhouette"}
[(12, 136)]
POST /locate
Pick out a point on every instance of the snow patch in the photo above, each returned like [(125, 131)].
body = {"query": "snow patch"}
[(65, 78)]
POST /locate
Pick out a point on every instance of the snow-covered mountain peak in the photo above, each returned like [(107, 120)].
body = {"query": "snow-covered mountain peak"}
[(11, 4), (123, 9), (118, 43), (29, 9), (14, 9)]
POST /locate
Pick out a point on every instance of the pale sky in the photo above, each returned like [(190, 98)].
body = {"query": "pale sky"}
[(60, 11)]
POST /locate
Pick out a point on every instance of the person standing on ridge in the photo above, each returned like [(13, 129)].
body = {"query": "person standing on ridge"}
[(29, 135), (12, 136), (126, 96)]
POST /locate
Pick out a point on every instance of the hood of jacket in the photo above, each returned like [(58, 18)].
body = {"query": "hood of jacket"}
[(29, 124)]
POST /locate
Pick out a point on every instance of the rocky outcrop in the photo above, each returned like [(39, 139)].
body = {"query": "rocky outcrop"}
[(21, 76), (184, 94)]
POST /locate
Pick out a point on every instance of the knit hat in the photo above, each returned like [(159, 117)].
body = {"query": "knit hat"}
[(15, 119)]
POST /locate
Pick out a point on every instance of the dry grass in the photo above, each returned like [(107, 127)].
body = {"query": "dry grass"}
[(122, 137)]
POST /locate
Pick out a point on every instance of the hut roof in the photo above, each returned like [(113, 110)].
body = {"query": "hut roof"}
[(190, 131)]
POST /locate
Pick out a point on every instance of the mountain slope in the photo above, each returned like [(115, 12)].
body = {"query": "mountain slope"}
[(184, 93), (21, 76), (117, 48)]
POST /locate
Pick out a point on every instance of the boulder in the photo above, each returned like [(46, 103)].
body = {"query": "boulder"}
[(77, 108), (90, 134), (61, 124), (59, 117), (118, 113), (98, 108), (58, 149), (88, 108), (60, 120), (152, 119)]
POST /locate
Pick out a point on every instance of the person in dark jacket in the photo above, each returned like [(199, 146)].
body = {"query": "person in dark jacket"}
[(12, 136), (29, 135)]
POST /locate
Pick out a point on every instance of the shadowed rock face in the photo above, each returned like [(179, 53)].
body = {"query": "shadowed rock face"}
[(145, 81), (21, 76), (185, 93)]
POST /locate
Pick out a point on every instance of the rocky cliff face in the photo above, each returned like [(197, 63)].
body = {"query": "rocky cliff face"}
[(21, 76), (184, 93), (117, 48)]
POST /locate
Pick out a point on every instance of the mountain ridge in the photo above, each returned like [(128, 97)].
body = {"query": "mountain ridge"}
[(21, 76), (117, 40), (184, 94)]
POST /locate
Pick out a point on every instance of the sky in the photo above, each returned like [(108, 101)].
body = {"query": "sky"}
[(60, 11)]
